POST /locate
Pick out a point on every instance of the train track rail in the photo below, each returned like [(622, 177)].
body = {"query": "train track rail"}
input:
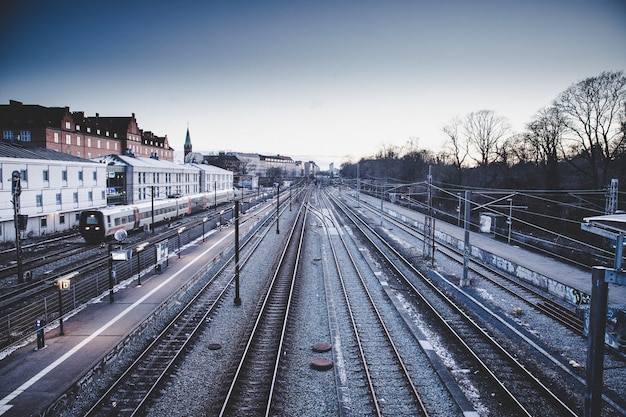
[(132, 390), (252, 387), (391, 387), (519, 390), (526, 293)]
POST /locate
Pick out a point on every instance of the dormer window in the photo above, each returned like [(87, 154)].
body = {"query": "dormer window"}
[(68, 125)]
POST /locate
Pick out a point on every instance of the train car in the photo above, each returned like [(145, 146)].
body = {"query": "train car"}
[(98, 225)]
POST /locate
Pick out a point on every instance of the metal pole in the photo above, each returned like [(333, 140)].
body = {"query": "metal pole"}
[(458, 211), (237, 298), (215, 194), (60, 312), (16, 191), (277, 207), (152, 194), (510, 220), (595, 351), (110, 273), (138, 269), (466, 245)]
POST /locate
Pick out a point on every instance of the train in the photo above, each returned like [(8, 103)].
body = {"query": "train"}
[(101, 224)]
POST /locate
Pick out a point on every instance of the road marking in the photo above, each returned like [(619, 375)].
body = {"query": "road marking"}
[(4, 406)]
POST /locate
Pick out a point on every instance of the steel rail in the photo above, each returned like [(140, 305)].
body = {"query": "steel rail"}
[(521, 368)]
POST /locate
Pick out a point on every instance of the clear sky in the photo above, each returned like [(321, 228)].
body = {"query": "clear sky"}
[(315, 80)]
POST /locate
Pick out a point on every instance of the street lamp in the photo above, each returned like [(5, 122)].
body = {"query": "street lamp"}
[(63, 284), (139, 249), (180, 231), (119, 236)]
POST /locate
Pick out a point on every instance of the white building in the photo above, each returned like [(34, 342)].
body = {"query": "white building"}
[(133, 180), (213, 178), (55, 188)]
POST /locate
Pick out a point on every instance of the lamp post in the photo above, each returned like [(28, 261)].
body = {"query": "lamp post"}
[(139, 249), (204, 220), (119, 236), (180, 231), (277, 207), (63, 284)]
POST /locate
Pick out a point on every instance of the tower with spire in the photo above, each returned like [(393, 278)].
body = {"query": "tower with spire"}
[(187, 142)]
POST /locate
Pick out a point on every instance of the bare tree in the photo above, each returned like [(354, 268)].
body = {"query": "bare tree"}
[(485, 130), (545, 133), (456, 146), (594, 111)]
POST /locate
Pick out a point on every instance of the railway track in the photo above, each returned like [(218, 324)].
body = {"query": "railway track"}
[(390, 384), (252, 387), (528, 294), (519, 391), (129, 394)]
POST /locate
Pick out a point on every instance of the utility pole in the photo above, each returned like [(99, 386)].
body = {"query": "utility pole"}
[(16, 190), (466, 245)]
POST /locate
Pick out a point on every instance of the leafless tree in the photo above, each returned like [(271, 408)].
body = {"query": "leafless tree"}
[(545, 134), (457, 146), (485, 130), (594, 111)]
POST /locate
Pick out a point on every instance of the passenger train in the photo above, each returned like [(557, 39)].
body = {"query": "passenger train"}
[(98, 225)]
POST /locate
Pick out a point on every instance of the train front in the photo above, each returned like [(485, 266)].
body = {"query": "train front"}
[(91, 225)]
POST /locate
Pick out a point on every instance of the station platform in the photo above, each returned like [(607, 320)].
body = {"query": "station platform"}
[(571, 276), (33, 379)]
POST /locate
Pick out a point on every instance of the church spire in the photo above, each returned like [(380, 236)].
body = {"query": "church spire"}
[(187, 142)]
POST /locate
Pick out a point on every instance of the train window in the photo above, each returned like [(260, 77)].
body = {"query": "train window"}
[(91, 220)]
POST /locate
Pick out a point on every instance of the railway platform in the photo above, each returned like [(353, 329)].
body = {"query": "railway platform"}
[(34, 379)]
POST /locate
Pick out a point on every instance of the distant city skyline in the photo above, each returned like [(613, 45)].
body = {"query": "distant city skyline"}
[(322, 81)]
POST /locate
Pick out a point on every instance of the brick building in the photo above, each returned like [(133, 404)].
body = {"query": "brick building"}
[(71, 133)]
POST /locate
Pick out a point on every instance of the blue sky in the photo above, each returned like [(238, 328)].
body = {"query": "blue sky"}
[(315, 80)]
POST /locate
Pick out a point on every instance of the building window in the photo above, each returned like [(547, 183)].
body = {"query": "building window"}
[(64, 175), (46, 175), (7, 135), (68, 125), (78, 140), (59, 199), (89, 142), (95, 175), (88, 130), (90, 195), (56, 137), (75, 197), (103, 195), (77, 128), (23, 175), (68, 139), (39, 199), (25, 135), (98, 144), (61, 218), (80, 175), (44, 222)]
